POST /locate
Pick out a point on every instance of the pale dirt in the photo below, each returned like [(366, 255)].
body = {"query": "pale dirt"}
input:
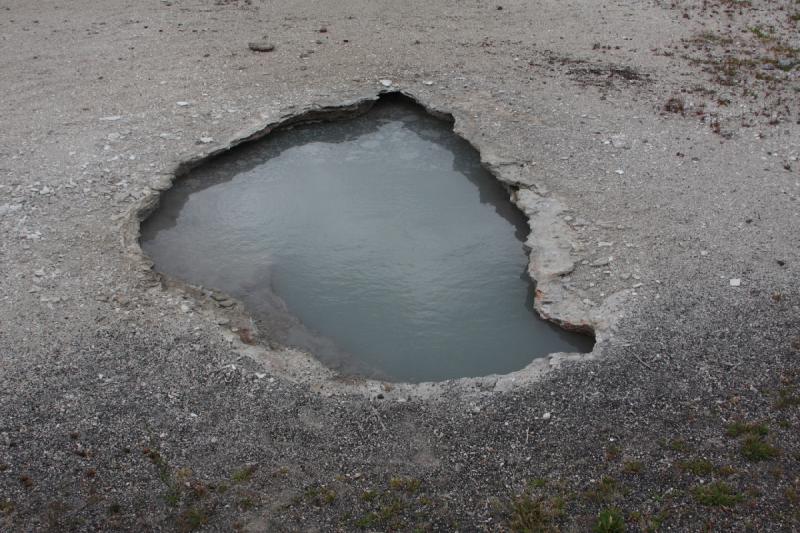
[(124, 405)]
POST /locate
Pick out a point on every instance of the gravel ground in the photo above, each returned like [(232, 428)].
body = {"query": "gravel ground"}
[(667, 133)]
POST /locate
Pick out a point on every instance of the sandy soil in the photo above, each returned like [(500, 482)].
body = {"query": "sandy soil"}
[(667, 137)]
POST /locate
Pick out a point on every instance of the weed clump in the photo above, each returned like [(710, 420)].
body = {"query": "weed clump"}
[(535, 514), (741, 428), (754, 448), (610, 521), (698, 467), (675, 105), (717, 494), (405, 484)]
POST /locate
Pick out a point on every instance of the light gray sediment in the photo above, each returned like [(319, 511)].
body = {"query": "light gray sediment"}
[(126, 405)]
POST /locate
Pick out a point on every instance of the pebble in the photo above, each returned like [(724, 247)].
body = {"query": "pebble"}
[(427, 82), (546, 416), (261, 46), (9, 208), (619, 141), (619, 171), (735, 282), (185, 308), (206, 140), (182, 104), (386, 83)]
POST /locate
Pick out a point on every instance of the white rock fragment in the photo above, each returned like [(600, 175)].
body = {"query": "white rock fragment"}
[(427, 82), (546, 416), (9, 208), (735, 282), (619, 141), (184, 308), (111, 118), (604, 244), (386, 83), (704, 252), (206, 140), (619, 171), (182, 104)]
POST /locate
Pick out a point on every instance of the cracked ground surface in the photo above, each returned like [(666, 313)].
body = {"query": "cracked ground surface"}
[(669, 134)]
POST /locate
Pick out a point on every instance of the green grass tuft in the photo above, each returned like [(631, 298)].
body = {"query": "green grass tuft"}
[(405, 484), (718, 494), (754, 448), (737, 429), (698, 467), (610, 521)]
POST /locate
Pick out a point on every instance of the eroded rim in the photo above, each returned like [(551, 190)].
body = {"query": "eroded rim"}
[(550, 243)]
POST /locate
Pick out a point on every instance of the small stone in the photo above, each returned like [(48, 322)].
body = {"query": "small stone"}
[(619, 171), (45, 190), (546, 416), (735, 282), (619, 141), (112, 118), (386, 83), (601, 262), (38, 273), (604, 244), (427, 82), (704, 252), (185, 308), (206, 140), (182, 104), (261, 46), (259, 375), (227, 303)]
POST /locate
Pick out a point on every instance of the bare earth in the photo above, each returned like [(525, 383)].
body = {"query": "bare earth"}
[(655, 147)]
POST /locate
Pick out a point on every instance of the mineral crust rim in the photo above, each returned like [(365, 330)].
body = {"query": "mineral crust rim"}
[(549, 242)]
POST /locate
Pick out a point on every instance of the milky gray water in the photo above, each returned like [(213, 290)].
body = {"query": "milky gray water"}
[(379, 244)]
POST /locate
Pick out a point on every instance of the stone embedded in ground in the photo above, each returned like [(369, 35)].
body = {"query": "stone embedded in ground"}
[(261, 46)]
